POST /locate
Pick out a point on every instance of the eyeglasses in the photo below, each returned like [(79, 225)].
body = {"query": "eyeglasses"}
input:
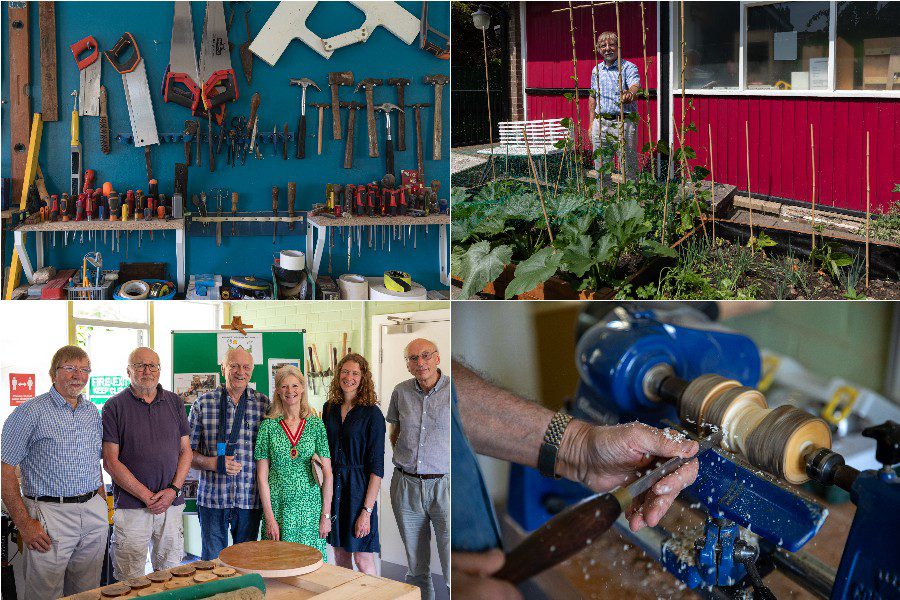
[(72, 370), (426, 356), (141, 366), (247, 368)]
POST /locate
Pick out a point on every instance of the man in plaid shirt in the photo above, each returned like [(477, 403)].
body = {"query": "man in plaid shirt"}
[(227, 497)]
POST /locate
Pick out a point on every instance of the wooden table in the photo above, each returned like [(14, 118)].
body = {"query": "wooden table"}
[(329, 582)]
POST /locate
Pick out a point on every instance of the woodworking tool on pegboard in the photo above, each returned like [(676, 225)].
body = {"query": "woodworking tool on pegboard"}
[(219, 84), (181, 83), (89, 72), (676, 369)]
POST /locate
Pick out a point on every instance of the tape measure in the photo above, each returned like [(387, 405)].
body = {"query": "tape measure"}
[(397, 281)]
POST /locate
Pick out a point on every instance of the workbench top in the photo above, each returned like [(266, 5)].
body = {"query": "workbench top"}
[(329, 582), (97, 225), (324, 221)]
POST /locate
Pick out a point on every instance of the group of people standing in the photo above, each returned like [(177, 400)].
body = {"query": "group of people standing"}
[(305, 478)]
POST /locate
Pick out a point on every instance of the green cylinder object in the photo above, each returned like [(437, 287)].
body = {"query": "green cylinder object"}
[(211, 588)]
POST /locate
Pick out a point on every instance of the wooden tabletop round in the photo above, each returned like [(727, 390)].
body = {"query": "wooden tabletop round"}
[(272, 559)]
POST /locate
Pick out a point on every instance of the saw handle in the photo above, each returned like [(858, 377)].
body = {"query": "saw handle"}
[(181, 89), (114, 56), (212, 96), (79, 47), (561, 537)]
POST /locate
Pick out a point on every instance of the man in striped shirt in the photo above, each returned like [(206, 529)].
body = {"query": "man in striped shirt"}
[(60, 511), (604, 106)]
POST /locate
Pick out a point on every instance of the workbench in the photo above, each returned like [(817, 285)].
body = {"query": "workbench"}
[(76, 227), (317, 235), (329, 582)]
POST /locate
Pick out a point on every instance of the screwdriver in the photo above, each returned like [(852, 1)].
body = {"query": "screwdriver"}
[(568, 532)]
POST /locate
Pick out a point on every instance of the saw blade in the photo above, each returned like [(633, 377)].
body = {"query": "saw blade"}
[(89, 90), (182, 55), (140, 106), (214, 54)]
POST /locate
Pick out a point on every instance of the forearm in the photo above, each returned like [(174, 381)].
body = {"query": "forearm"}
[(394, 435), (372, 490), (123, 478), (499, 423), (327, 491), (12, 496), (592, 105), (184, 466), (203, 462), (265, 495)]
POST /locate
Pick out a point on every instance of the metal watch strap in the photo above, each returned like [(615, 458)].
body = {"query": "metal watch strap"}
[(550, 446)]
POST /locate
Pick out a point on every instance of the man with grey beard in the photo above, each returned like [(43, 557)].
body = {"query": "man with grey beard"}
[(147, 452)]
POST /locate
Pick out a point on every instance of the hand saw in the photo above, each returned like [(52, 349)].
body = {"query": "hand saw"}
[(181, 83), (137, 90), (89, 76), (218, 81)]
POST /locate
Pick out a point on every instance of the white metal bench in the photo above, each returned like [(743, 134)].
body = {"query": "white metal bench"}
[(542, 137)]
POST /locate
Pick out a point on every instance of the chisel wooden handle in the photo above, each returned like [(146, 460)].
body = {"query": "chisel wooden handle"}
[(254, 107), (274, 211), (291, 196), (234, 204), (562, 536), (348, 147), (104, 119), (321, 113)]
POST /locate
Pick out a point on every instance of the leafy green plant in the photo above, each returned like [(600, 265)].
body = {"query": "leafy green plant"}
[(831, 258)]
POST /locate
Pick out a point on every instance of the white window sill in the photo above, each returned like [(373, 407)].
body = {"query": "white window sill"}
[(873, 94)]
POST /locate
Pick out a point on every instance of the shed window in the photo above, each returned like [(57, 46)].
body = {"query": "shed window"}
[(787, 46), (712, 41), (867, 49)]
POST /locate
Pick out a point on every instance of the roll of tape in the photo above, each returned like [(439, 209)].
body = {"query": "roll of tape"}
[(353, 287), (136, 289), (397, 281), (292, 260), (379, 292)]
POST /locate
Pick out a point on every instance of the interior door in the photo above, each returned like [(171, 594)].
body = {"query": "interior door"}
[(390, 335)]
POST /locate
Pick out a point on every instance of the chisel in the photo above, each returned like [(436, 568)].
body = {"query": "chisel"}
[(291, 197), (75, 148), (274, 212), (570, 531)]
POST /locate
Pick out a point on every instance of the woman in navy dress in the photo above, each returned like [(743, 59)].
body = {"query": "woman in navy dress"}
[(356, 429)]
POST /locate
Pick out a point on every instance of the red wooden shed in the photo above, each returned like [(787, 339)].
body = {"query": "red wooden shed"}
[(779, 67)]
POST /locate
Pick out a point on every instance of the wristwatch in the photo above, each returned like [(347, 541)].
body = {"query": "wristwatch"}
[(326, 515), (177, 489), (550, 446), (367, 509)]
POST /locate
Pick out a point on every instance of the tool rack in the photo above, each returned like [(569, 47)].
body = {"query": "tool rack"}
[(40, 229), (319, 224)]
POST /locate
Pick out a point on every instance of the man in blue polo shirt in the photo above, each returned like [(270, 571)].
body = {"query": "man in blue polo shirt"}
[(604, 100), (224, 424), (61, 510), (147, 452)]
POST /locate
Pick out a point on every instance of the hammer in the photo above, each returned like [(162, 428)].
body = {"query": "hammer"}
[(369, 85), (420, 161), (386, 108), (400, 83), (321, 108), (335, 80), (351, 122), (438, 81), (301, 124)]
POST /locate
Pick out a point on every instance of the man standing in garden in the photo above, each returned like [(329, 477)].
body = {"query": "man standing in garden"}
[(603, 104)]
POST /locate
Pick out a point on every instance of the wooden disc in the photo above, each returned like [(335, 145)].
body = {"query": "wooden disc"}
[(224, 572), (177, 583), (139, 583), (117, 589), (183, 571), (204, 576), (698, 395), (812, 434), (203, 565), (269, 558), (159, 576)]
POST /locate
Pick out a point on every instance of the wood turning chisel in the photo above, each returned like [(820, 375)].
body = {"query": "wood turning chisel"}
[(570, 531)]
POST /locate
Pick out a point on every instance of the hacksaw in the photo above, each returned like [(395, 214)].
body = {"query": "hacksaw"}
[(89, 72), (288, 22), (137, 90)]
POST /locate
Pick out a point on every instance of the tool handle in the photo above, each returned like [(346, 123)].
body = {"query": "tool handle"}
[(254, 107), (213, 96), (348, 146), (181, 89), (389, 155), (559, 538), (114, 55), (319, 146), (291, 197), (275, 200), (88, 43), (74, 141), (301, 137)]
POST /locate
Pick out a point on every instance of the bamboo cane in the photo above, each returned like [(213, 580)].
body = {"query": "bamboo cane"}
[(684, 163), (868, 208), (487, 84), (647, 95), (577, 147), (712, 185), (666, 198), (812, 154), (621, 105), (595, 73), (562, 161), (749, 195), (540, 194)]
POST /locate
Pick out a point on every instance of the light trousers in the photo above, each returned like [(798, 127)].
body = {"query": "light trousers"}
[(137, 529)]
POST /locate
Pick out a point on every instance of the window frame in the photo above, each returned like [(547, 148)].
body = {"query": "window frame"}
[(741, 90)]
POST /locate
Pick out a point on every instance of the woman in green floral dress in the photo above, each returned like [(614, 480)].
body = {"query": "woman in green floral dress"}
[(291, 499)]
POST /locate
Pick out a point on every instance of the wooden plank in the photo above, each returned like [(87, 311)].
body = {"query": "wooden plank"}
[(368, 587), (322, 579), (19, 101), (49, 84)]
